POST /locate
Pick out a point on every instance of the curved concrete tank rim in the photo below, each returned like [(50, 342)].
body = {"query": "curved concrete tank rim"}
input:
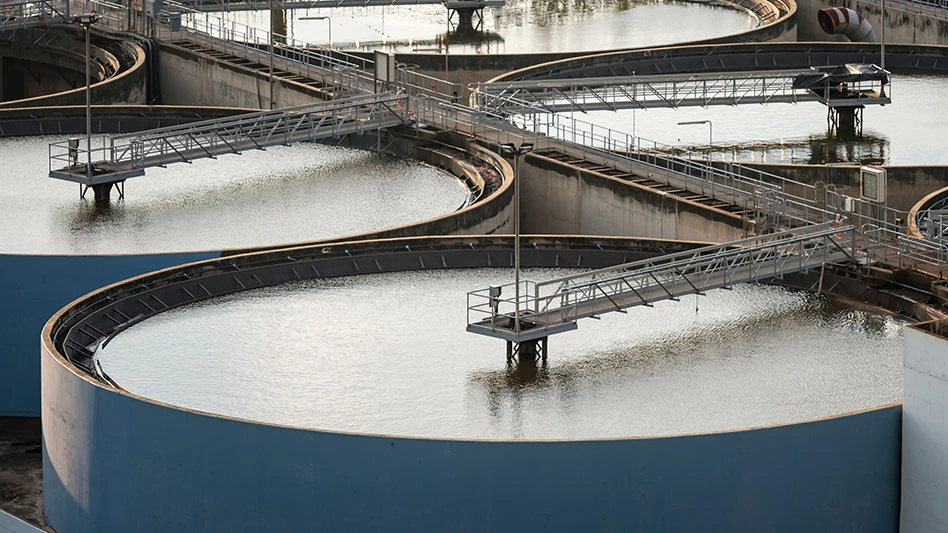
[(177, 469), (792, 55), (37, 284), (133, 48), (171, 274), (786, 10), (923, 205)]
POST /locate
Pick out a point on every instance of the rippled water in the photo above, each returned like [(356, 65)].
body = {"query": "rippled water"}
[(909, 131), (285, 194), (520, 26), (389, 354)]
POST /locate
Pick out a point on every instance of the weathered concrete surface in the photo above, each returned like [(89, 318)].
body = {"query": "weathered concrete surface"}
[(180, 470), (925, 428), (563, 199), (189, 78), (465, 69), (906, 185), (60, 66), (905, 23), (21, 469)]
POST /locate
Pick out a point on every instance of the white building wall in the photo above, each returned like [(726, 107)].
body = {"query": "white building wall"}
[(925, 431)]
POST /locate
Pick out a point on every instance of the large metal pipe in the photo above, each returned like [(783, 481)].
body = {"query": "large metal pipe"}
[(843, 20)]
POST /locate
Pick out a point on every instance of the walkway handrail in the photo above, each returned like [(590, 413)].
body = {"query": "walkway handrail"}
[(19, 13), (669, 91), (124, 153), (726, 249), (555, 305), (721, 181)]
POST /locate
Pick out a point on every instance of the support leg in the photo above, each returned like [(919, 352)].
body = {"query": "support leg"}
[(102, 193)]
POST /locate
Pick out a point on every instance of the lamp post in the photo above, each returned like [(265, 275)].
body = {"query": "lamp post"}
[(517, 152), (323, 17), (882, 47), (710, 144), (270, 47), (86, 20)]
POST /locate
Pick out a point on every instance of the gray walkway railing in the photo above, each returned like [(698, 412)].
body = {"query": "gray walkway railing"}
[(124, 156), (667, 91), (20, 13), (253, 5), (555, 305)]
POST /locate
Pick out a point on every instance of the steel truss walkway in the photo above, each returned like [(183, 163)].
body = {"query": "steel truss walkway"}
[(20, 13), (554, 306), (253, 5), (669, 91), (128, 155)]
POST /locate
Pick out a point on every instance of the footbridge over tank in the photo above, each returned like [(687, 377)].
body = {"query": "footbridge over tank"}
[(694, 59), (858, 85), (554, 306), (254, 5), (128, 155), (843, 89), (23, 13)]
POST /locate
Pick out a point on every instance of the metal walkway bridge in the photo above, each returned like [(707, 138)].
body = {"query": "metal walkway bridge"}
[(555, 305), (124, 156), (22, 13), (254, 5), (671, 91)]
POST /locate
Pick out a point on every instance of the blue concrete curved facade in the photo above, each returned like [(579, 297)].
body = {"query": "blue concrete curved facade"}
[(116, 462), (34, 287)]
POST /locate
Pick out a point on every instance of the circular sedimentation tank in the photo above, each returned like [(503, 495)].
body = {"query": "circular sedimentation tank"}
[(896, 134), (388, 354), (285, 194), (517, 27)]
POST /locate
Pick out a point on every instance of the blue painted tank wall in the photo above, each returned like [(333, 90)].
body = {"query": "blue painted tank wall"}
[(114, 462), (33, 288)]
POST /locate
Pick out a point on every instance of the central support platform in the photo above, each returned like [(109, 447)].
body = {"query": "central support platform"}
[(466, 10), (527, 352)]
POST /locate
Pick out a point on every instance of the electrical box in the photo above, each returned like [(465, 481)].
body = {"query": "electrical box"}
[(174, 21), (385, 68), (872, 184)]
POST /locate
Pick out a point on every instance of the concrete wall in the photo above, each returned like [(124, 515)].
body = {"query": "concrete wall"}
[(561, 199), (125, 87), (115, 462), (193, 79), (905, 23), (925, 429), (465, 69), (906, 185), (36, 286)]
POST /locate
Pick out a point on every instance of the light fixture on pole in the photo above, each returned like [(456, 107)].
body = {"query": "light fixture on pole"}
[(517, 152), (86, 20), (882, 47), (710, 144), (323, 17), (270, 47)]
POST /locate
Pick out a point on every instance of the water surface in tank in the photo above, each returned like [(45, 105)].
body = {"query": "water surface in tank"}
[(389, 354), (285, 194), (905, 132), (518, 27)]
